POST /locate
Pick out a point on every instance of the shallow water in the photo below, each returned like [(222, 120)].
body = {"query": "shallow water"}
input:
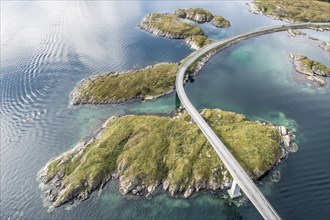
[(47, 47)]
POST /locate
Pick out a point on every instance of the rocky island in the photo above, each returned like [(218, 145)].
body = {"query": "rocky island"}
[(172, 25), (293, 10), (220, 22), (149, 153), (148, 83), (313, 69)]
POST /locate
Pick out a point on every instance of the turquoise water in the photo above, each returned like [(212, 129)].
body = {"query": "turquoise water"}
[(47, 47)]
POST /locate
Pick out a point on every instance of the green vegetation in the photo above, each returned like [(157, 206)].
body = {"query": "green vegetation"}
[(169, 25), (254, 145), (309, 67), (318, 67), (296, 10), (145, 150), (220, 22), (114, 88), (199, 40), (196, 14)]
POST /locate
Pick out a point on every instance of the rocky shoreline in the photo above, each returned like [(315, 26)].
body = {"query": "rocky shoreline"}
[(254, 8), (51, 185), (198, 15), (54, 185), (294, 32)]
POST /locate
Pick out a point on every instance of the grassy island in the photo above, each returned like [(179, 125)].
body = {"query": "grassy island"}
[(168, 25), (313, 69), (294, 10), (146, 83), (145, 152), (172, 25)]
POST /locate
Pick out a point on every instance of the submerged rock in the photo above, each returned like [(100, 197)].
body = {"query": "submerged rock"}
[(276, 176)]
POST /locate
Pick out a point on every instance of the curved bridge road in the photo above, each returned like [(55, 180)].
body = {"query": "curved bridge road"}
[(237, 172)]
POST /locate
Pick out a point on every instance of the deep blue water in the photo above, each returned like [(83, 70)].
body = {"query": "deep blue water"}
[(47, 47)]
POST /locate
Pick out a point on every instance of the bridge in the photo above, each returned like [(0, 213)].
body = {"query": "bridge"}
[(241, 180)]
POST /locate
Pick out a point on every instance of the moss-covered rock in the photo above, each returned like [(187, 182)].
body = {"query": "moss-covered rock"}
[(145, 151), (220, 22)]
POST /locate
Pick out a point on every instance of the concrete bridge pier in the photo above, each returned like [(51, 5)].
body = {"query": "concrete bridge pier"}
[(234, 191), (177, 101)]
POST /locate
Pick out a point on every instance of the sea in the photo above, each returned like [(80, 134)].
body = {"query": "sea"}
[(48, 46)]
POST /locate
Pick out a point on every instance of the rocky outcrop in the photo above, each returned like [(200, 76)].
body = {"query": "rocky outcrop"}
[(288, 142), (201, 16), (192, 43), (195, 14), (313, 69), (294, 32), (196, 42), (325, 46), (220, 22)]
